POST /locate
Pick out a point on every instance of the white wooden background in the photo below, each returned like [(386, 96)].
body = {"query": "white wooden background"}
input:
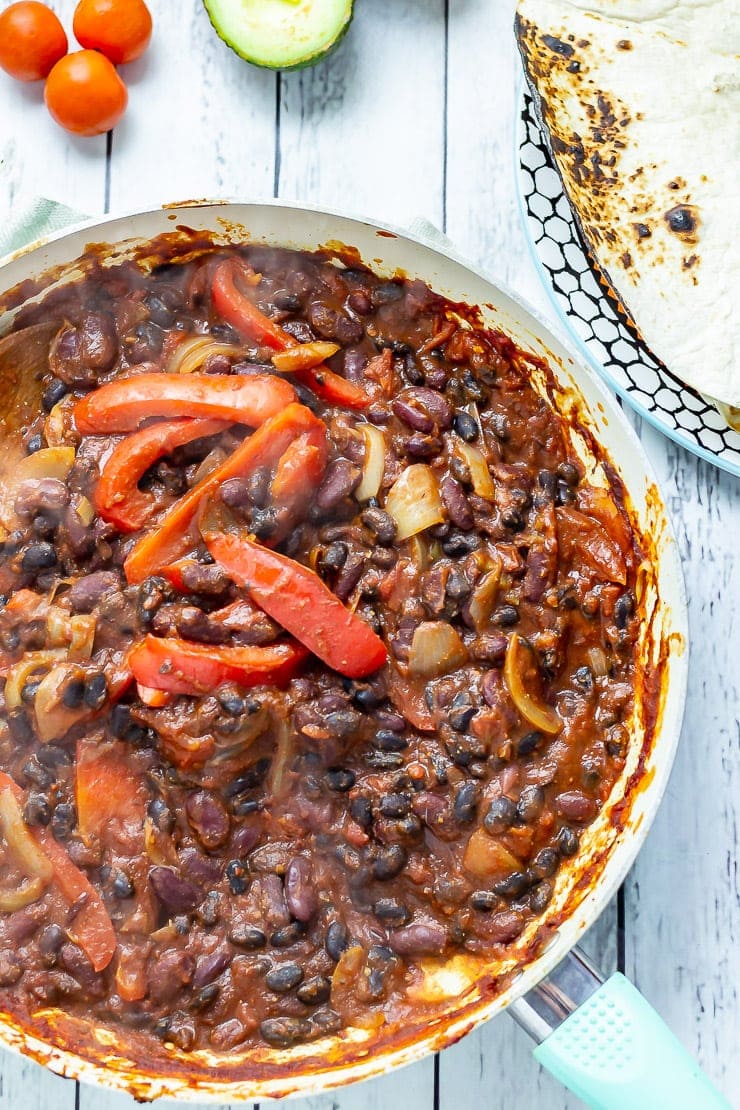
[(414, 116)]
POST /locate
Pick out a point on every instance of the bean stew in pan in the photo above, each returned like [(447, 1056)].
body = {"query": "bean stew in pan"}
[(317, 647)]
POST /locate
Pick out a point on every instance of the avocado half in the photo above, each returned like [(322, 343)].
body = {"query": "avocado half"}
[(281, 34)]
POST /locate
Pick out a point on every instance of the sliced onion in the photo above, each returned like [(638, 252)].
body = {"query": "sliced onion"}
[(414, 502), (597, 661), (59, 427), (304, 356), (488, 858), (53, 718), (284, 748), (484, 596), (543, 717), (20, 672), (190, 355), (26, 893), (435, 649), (373, 466), (151, 697), (86, 511), (22, 845), (213, 459), (480, 475), (49, 462)]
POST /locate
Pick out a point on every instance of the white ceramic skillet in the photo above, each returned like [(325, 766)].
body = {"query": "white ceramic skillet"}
[(614, 1050)]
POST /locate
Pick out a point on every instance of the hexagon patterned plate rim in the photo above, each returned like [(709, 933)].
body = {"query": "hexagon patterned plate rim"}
[(592, 317)]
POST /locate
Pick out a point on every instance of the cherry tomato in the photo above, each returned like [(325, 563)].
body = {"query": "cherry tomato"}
[(120, 29), (84, 93), (32, 40)]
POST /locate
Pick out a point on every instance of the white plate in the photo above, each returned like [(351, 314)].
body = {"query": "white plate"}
[(594, 321)]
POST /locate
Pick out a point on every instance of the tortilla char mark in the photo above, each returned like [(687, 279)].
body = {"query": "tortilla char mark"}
[(565, 73)]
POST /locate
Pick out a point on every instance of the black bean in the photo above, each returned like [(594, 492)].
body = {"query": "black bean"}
[(51, 939), (232, 703), (387, 292), (460, 543), (284, 978), (501, 815), (30, 690), (394, 805), (340, 779), (282, 1032), (34, 444), (288, 935), (461, 712), (55, 390), (336, 940), (361, 811), (540, 896), (37, 810), (37, 773), (366, 699), (483, 900), (545, 863), (569, 473), (237, 876), (584, 678), (529, 743), (529, 806), (623, 609), (391, 911), (466, 801), (381, 524), (514, 884), (348, 855), (383, 761), (389, 741), (505, 616), (389, 861), (564, 494), (512, 519), (248, 936), (39, 556), (96, 691), (51, 755), (314, 991), (73, 694), (466, 426), (161, 815), (63, 820), (335, 555), (567, 841), (122, 886)]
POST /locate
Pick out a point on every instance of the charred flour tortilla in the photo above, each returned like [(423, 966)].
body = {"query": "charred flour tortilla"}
[(641, 102)]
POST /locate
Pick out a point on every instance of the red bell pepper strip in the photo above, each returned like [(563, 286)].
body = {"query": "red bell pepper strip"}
[(299, 471), (175, 533), (121, 405), (182, 667), (295, 597), (118, 498), (91, 928), (106, 788), (237, 309)]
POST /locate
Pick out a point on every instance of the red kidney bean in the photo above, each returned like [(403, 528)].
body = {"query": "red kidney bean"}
[(208, 818), (85, 594), (341, 478), (420, 446), (575, 806), (210, 967), (419, 939), (456, 503), (300, 893), (505, 926), (417, 418), (175, 893), (48, 495), (168, 973)]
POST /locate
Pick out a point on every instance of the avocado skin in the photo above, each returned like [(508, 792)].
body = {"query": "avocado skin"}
[(304, 64)]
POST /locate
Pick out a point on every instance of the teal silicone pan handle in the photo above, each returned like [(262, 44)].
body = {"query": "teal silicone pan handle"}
[(616, 1053), (606, 1043)]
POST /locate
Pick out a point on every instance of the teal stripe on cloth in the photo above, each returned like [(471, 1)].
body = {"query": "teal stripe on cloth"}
[(32, 218)]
